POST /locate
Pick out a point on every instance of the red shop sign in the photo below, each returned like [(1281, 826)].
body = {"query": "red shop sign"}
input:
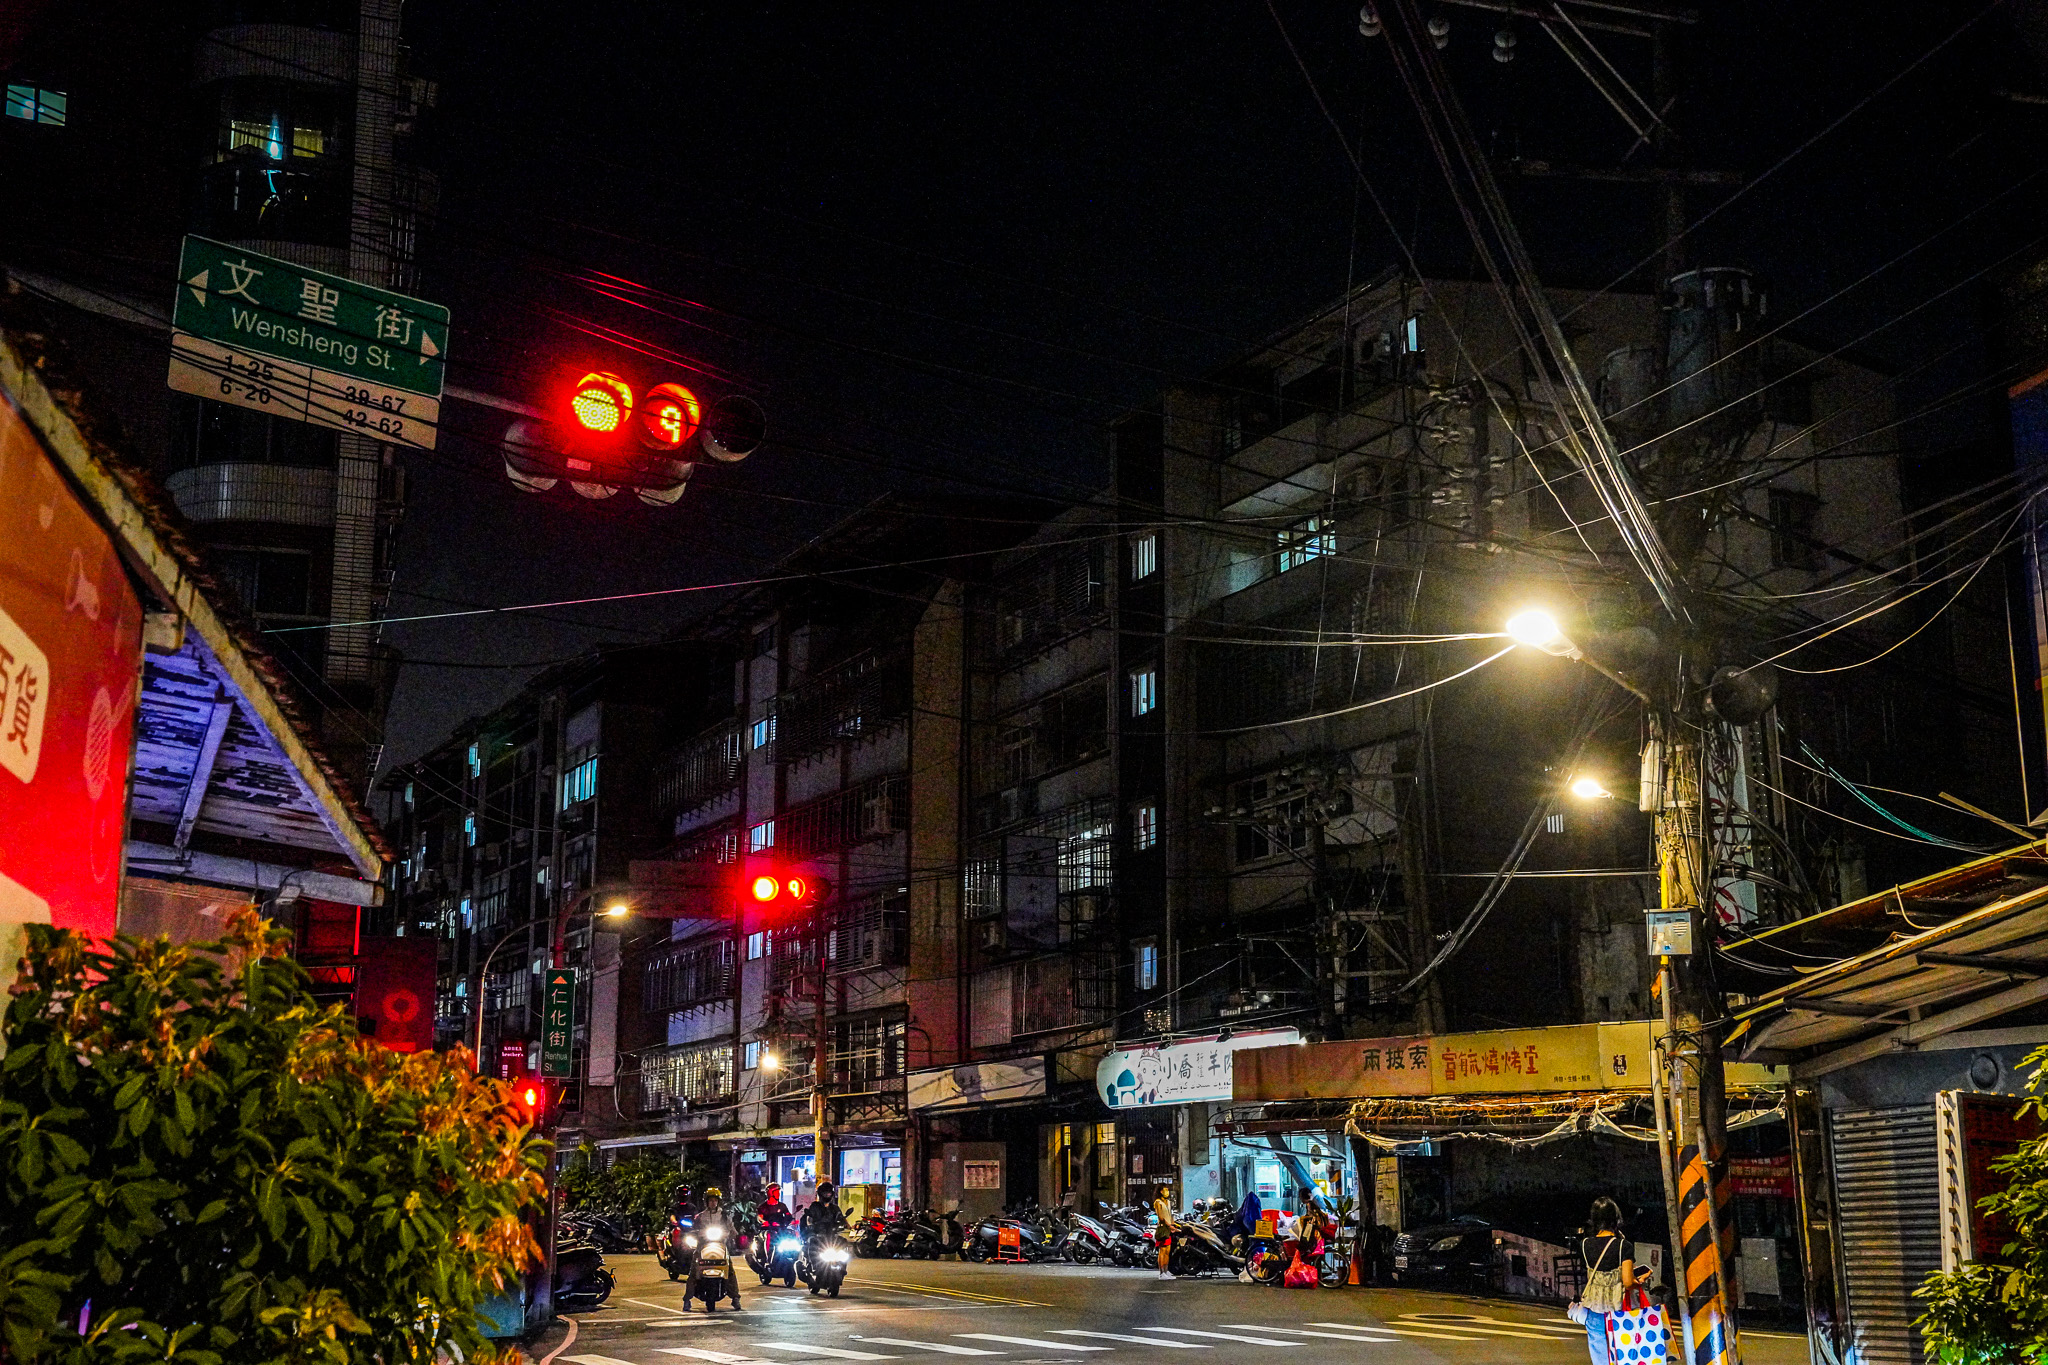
[(70, 666)]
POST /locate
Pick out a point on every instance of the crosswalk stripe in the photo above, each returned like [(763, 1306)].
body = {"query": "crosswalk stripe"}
[(836, 1352), (932, 1346), (1397, 1331), (688, 1353), (1120, 1336), (597, 1360), (1222, 1336), (1039, 1342), (1356, 1335)]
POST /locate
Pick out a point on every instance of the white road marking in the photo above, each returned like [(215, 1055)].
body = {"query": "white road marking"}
[(932, 1346), (1397, 1331), (1460, 1321), (1119, 1336), (836, 1352), (1356, 1334), (1040, 1342), (698, 1353), (1222, 1336), (1478, 1329), (597, 1360)]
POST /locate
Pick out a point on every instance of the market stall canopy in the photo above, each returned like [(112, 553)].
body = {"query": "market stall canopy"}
[(1985, 960)]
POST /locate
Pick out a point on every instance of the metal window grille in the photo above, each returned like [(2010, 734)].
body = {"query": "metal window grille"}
[(1051, 598), (1084, 858), (867, 1051), (860, 697), (694, 1075), (705, 768), (687, 976), (869, 810), (1305, 541)]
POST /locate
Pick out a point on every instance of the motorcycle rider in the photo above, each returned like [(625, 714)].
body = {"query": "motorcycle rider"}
[(685, 1207), (713, 1216), (822, 1217), (774, 1216)]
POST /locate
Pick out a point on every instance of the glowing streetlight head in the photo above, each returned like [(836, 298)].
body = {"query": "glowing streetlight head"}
[(1589, 789), (770, 1062), (617, 909), (1537, 628)]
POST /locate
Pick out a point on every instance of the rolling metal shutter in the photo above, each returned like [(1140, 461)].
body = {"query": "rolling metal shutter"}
[(1887, 1197)]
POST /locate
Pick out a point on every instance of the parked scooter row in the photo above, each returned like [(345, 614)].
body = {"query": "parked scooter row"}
[(914, 1234)]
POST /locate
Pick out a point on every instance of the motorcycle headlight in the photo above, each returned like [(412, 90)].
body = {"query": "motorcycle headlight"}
[(836, 1257), (789, 1244), (690, 1240), (715, 1235)]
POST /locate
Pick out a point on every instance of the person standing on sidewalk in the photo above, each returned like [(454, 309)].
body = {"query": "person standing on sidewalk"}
[(1162, 1209), (1609, 1259)]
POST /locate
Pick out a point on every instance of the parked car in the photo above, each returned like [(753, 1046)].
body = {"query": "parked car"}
[(1458, 1253)]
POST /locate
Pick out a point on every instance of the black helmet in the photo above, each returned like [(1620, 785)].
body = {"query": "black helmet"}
[(682, 1192), (825, 1187)]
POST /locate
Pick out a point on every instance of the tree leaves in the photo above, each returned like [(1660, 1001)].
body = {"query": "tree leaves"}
[(335, 1183)]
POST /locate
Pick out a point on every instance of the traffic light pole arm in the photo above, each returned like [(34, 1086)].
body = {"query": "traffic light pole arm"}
[(477, 1003)]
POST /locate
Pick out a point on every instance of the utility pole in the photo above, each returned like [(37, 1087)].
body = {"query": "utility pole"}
[(821, 1058)]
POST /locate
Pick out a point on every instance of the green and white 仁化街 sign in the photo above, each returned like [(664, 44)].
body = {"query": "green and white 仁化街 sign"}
[(268, 335)]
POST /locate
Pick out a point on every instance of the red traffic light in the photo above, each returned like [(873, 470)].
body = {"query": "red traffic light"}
[(766, 889), (601, 402), (669, 417)]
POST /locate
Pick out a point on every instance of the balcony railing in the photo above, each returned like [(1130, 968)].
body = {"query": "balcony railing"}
[(852, 701)]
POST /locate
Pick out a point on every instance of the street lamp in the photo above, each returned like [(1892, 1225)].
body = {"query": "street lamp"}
[(618, 909), (1539, 630), (1588, 788), (770, 1062)]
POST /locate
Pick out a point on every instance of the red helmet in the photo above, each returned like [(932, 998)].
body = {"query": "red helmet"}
[(774, 1195)]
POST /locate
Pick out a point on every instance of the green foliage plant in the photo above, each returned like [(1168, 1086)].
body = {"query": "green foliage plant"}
[(203, 1165), (1986, 1313)]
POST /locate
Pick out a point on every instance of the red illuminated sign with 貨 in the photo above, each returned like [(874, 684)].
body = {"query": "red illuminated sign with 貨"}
[(70, 664)]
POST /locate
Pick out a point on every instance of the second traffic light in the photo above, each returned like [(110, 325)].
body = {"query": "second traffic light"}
[(605, 437)]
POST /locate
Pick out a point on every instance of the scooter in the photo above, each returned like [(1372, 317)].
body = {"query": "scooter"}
[(1197, 1250), (822, 1264), (772, 1255), (1083, 1240), (1131, 1240), (986, 1242), (934, 1236), (711, 1278), (581, 1279), (675, 1249), (865, 1238)]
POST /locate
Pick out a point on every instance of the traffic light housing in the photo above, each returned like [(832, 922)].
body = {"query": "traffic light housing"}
[(780, 889), (602, 435)]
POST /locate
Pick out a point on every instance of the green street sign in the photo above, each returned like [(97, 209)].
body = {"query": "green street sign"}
[(266, 334), (558, 1023)]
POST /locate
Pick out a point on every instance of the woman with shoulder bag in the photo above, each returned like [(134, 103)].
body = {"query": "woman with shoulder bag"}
[(1609, 1261)]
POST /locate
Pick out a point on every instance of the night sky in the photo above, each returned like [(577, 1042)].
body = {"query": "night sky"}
[(944, 244)]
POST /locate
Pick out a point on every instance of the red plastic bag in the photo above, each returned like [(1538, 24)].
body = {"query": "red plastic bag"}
[(1301, 1275)]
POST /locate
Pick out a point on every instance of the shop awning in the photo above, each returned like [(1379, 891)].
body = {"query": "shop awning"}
[(1526, 1120), (1987, 961)]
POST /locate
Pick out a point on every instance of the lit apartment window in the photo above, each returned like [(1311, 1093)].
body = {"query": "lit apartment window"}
[(761, 837), (408, 796), (580, 782), (469, 830), (37, 106), (757, 944), (1305, 541), (1144, 826), (1144, 690), (465, 912), (1553, 823), (1144, 555), (762, 733), (475, 763), (1145, 964), (751, 1056)]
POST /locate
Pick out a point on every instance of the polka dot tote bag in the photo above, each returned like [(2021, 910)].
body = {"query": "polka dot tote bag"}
[(1638, 1332)]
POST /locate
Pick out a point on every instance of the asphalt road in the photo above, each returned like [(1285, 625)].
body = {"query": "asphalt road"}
[(1029, 1315)]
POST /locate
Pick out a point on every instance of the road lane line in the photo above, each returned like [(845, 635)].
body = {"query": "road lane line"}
[(1357, 1335), (1040, 1342), (1119, 1336), (1481, 1329), (1458, 1321), (699, 1353), (836, 1352), (1222, 1336), (933, 1346), (597, 1360), (1397, 1331), (965, 1294)]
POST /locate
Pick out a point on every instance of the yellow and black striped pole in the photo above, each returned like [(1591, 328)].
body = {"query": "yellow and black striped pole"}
[(1701, 1266)]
